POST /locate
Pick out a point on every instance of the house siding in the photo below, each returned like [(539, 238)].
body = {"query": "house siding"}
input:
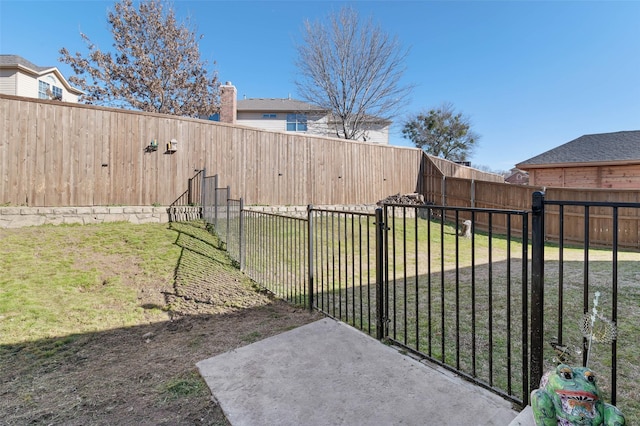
[(26, 86), (22, 84), (8, 82)]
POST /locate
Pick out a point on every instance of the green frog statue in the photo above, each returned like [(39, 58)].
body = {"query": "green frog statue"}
[(570, 396)]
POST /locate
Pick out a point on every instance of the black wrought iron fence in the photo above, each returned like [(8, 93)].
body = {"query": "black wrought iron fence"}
[(459, 298), (275, 253), (584, 296), (463, 287)]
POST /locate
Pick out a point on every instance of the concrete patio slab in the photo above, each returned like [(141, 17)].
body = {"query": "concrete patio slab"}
[(328, 373)]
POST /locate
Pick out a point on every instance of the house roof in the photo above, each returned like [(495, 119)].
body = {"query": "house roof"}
[(16, 61), (276, 105), (617, 147)]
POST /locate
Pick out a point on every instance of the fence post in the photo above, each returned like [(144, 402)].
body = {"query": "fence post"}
[(240, 235), (228, 219), (203, 174), (310, 254), (537, 290), (473, 193), (380, 227), (443, 190), (215, 202)]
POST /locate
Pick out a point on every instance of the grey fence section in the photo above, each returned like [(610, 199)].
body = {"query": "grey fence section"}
[(564, 289), (342, 250), (274, 249), (460, 300)]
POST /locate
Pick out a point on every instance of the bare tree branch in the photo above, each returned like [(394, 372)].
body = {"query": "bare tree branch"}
[(156, 65), (352, 69)]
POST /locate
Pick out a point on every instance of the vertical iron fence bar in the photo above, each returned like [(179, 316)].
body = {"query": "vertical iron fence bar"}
[(473, 293), (442, 315), (310, 262), (404, 278), (227, 198), (333, 266), (509, 384), (393, 251), (272, 250), (457, 282), (339, 236), (203, 174), (285, 259), (385, 257), (368, 224), (346, 270), (228, 223), (429, 305), (353, 272), (190, 192), (323, 260), (490, 290), (416, 292), (537, 289), (524, 333), (614, 307), (361, 253), (380, 247), (560, 272), (241, 244), (215, 201), (585, 276)]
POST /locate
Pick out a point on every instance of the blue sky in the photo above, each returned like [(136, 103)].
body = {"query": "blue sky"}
[(532, 75)]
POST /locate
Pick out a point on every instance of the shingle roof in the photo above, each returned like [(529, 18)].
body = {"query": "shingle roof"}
[(597, 148), (19, 60), (275, 104)]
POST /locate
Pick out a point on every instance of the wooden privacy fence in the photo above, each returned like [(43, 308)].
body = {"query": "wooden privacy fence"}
[(60, 154), (459, 192)]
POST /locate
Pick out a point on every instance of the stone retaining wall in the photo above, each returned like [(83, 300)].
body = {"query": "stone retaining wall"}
[(17, 217)]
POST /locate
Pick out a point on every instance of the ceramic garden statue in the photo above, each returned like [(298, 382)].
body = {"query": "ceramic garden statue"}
[(570, 396)]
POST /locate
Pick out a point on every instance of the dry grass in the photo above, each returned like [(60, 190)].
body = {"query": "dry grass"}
[(116, 317)]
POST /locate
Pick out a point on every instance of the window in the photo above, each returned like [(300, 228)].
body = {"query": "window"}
[(57, 93), (43, 90), (296, 122), (268, 116), (215, 117)]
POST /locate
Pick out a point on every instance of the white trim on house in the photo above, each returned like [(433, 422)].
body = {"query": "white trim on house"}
[(20, 77), (275, 114)]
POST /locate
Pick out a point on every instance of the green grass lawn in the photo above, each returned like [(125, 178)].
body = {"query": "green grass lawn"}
[(54, 283)]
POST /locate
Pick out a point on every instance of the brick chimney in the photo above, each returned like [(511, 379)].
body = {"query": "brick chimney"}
[(228, 103)]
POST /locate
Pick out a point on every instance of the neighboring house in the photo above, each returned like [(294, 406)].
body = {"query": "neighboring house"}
[(289, 115), (22, 78), (605, 160), (517, 177)]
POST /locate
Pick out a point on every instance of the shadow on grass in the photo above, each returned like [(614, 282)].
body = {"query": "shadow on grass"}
[(145, 374)]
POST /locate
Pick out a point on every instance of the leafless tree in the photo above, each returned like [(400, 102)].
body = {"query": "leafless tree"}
[(156, 65), (353, 69)]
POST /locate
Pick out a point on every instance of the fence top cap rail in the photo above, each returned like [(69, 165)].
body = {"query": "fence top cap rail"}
[(341, 211), (591, 203), (465, 209), (284, 215)]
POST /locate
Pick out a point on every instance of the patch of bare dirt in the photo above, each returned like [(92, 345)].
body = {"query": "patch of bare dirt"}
[(144, 375)]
